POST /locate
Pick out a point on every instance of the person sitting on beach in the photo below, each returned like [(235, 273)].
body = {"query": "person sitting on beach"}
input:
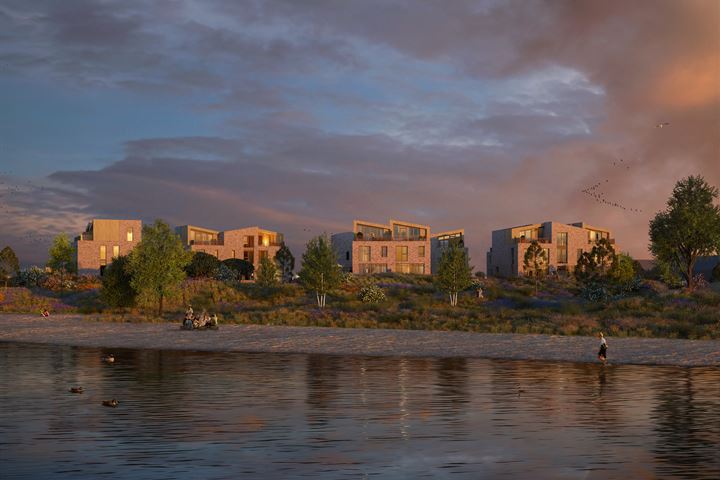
[(45, 313), (213, 321), (602, 354), (189, 316), (201, 320)]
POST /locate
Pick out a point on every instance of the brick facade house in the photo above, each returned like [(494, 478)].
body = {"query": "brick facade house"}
[(375, 248), (103, 240), (563, 244)]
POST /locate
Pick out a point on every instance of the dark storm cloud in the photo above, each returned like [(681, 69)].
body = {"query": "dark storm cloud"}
[(461, 114)]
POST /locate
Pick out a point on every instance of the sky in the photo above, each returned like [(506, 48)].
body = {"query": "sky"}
[(302, 116)]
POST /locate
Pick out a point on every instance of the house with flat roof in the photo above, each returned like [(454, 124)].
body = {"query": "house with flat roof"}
[(439, 242), (563, 244), (249, 243), (397, 246), (103, 240)]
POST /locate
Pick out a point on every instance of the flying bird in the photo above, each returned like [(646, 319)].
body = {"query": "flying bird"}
[(662, 125)]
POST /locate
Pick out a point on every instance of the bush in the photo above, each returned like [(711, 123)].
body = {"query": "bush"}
[(116, 289), (31, 277), (202, 265), (243, 268), (226, 274), (372, 294)]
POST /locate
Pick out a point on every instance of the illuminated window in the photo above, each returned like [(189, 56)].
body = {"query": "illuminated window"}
[(130, 234), (401, 253), (263, 254), (364, 254), (233, 254), (421, 251), (116, 251), (103, 255)]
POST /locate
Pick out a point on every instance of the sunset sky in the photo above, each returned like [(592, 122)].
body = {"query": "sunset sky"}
[(300, 116)]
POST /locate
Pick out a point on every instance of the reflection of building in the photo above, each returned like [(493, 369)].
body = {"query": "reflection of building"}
[(374, 248), (104, 240), (250, 243), (441, 241), (563, 244)]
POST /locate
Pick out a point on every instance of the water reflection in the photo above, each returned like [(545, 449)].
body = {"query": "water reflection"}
[(201, 415)]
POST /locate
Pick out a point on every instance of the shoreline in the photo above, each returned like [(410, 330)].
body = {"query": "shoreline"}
[(81, 331)]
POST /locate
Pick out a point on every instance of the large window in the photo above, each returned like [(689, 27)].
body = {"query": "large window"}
[(594, 235), (562, 247), (372, 268), (129, 234), (410, 268), (421, 251), (406, 232), (249, 241), (401, 253), (383, 252), (249, 256), (366, 232), (365, 254), (116, 251), (103, 255), (202, 238), (446, 240)]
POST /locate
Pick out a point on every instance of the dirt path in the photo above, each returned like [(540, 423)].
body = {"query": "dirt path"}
[(76, 330)]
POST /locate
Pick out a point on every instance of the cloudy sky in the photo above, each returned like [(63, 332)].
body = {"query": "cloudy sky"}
[(300, 116)]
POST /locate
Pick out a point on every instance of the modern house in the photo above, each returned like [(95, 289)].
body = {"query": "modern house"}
[(563, 244), (441, 241), (394, 247), (250, 243), (104, 240)]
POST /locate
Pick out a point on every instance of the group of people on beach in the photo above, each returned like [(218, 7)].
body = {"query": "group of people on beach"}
[(200, 321)]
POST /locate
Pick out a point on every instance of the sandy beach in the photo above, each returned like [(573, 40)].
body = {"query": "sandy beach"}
[(76, 330)]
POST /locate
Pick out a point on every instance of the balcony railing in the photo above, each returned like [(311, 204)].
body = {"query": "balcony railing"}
[(205, 242), (593, 242), (388, 238), (87, 236), (530, 240)]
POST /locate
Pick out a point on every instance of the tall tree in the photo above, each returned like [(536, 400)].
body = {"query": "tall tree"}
[(536, 261), (267, 273), (286, 261), (603, 255), (320, 271), (243, 268), (62, 255), (117, 290), (9, 264), (454, 272), (688, 228), (202, 265), (157, 263)]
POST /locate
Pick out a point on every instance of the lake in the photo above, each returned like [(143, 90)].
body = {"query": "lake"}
[(233, 415)]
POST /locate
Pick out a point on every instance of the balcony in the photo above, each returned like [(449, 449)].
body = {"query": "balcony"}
[(593, 242), (87, 236), (530, 240), (205, 242), (361, 237)]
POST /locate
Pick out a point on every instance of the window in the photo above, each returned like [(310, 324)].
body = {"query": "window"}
[(263, 254), (233, 254), (103, 255), (401, 253), (512, 256), (372, 268), (421, 251), (366, 232), (130, 234), (410, 268), (365, 254), (249, 256), (249, 242), (116, 251), (404, 232), (383, 252), (562, 247), (217, 253), (347, 255), (579, 253)]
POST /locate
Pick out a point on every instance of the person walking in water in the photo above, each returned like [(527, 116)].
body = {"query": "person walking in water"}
[(602, 354)]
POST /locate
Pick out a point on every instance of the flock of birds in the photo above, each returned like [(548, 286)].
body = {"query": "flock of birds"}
[(596, 193), (112, 403)]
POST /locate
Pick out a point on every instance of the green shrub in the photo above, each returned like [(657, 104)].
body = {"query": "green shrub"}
[(372, 294)]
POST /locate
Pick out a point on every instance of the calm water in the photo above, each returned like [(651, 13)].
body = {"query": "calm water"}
[(200, 415)]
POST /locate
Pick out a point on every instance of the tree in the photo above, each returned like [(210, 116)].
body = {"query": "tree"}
[(623, 270), (688, 228), (267, 272), (286, 261), (243, 268), (536, 261), (603, 255), (62, 255), (454, 272), (157, 263), (117, 290), (9, 264), (320, 271), (202, 265)]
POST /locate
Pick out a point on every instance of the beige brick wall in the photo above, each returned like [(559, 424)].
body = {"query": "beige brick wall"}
[(391, 260), (233, 242)]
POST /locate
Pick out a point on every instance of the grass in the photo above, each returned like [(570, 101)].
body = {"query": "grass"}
[(412, 302)]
